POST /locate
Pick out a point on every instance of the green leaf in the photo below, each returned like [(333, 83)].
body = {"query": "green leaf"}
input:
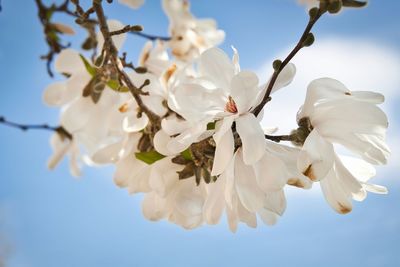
[(149, 157), (211, 125), (90, 69), (116, 86), (186, 154), (113, 84)]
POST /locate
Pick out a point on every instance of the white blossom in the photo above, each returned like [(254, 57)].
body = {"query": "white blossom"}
[(190, 36)]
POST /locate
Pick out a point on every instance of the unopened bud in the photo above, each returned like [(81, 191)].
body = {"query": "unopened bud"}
[(277, 64), (309, 40), (353, 3), (334, 7), (136, 28), (141, 70), (313, 12)]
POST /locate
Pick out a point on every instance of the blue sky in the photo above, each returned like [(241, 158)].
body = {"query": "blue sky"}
[(48, 218)]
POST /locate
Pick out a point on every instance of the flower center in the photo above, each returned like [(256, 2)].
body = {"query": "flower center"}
[(231, 105)]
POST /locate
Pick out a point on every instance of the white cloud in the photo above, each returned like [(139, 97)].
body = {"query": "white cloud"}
[(359, 64)]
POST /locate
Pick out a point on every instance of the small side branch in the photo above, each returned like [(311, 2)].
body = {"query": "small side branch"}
[(151, 37), (279, 138), (25, 127)]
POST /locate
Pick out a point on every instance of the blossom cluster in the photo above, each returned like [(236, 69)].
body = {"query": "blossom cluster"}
[(206, 151)]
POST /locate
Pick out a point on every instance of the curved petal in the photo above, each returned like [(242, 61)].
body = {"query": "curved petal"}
[(334, 193), (252, 136), (244, 90), (249, 193), (107, 153), (223, 153), (69, 61), (316, 157), (133, 124), (161, 140), (154, 207), (268, 217), (285, 77), (215, 203), (163, 176), (216, 65), (54, 94), (76, 115), (275, 202), (271, 173)]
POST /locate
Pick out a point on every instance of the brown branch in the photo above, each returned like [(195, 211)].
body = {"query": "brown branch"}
[(25, 127), (151, 37), (127, 28), (279, 138), (112, 55), (50, 30), (306, 34)]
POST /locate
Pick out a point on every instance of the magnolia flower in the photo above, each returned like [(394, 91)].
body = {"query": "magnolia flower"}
[(335, 114), (155, 58), (135, 4), (224, 93), (349, 118), (189, 36)]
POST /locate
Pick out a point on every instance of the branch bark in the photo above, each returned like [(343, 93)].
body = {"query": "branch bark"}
[(267, 97), (112, 55)]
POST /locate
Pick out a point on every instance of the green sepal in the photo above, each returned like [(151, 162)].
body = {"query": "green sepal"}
[(149, 157)]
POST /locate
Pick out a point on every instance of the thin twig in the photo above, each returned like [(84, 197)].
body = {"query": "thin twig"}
[(297, 48), (25, 127), (151, 37)]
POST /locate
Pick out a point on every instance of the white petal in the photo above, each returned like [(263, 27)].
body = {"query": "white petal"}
[(77, 115), (216, 65), (285, 77), (161, 140), (252, 136), (271, 173), (107, 153), (268, 217), (335, 194), (249, 193), (244, 90), (69, 61), (316, 157), (225, 146), (133, 124), (214, 204), (163, 176), (135, 4), (275, 202), (154, 207), (54, 94), (60, 148)]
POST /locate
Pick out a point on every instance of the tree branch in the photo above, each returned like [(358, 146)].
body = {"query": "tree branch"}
[(25, 127), (112, 55), (267, 97)]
